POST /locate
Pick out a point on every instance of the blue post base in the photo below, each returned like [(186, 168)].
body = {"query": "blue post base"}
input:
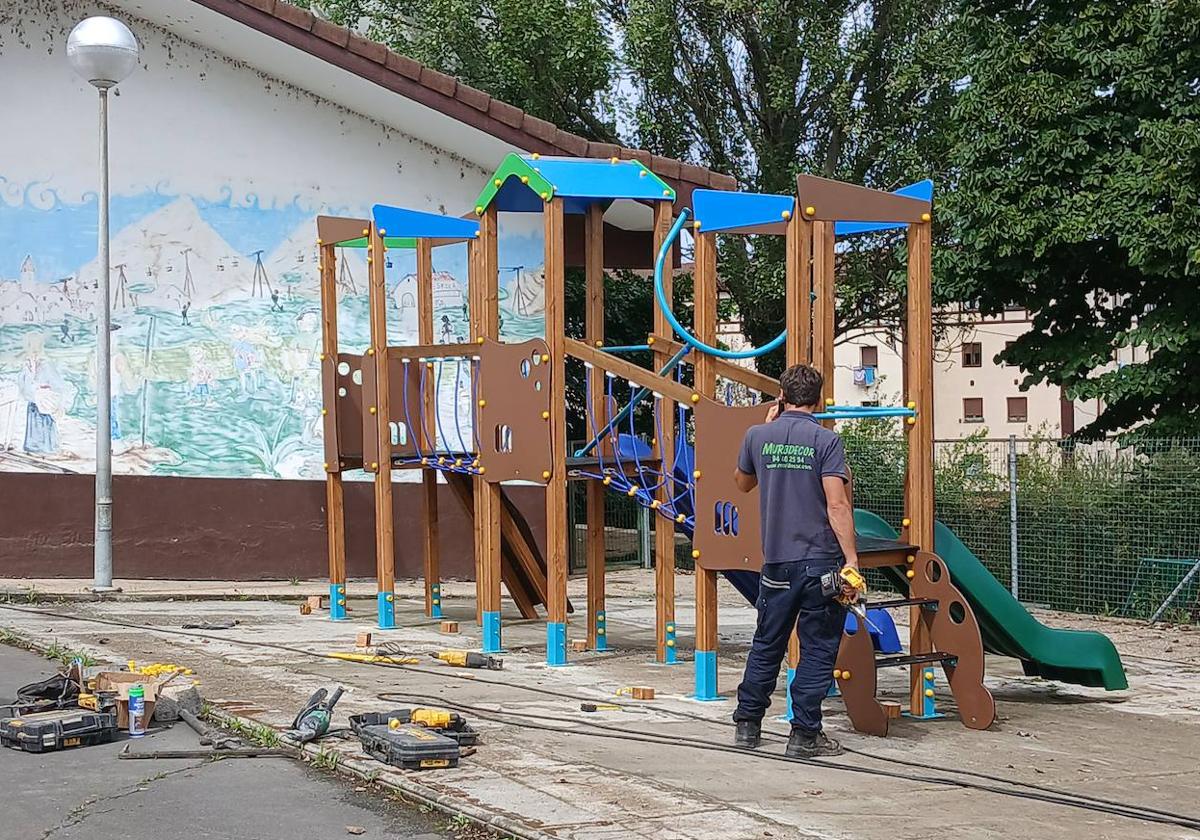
[(670, 657), (601, 631), (706, 675), (928, 709), (788, 714), (387, 610), (435, 601), (337, 602), (491, 633), (556, 643)]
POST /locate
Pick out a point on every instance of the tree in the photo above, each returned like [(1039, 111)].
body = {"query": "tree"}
[(1076, 157), (764, 89), (551, 58)]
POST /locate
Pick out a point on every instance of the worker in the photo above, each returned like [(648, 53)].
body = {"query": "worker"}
[(800, 470)]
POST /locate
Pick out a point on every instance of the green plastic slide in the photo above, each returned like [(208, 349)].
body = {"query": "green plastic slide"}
[(1082, 657)]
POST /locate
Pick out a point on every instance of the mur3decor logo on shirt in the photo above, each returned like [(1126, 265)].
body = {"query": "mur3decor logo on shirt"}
[(787, 456)]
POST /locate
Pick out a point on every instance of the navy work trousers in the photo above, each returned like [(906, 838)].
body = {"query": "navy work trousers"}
[(790, 596)]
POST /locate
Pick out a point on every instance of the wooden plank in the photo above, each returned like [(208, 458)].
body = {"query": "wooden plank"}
[(732, 371), (664, 529), (798, 348), (474, 326), (487, 494), (335, 511), (556, 487), (824, 307), (918, 491), (705, 327), (668, 388), (428, 435), (385, 551), (593, 271)]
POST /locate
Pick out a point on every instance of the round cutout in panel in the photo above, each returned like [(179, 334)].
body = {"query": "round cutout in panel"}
[(958, 613), (536, 358), (357, 377), (537, 386), (526, 367), (341, 392), (343, 368), (933, 571)]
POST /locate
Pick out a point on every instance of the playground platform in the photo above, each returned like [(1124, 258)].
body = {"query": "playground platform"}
[(1128, 745)]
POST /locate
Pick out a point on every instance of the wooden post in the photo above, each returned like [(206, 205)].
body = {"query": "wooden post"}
[(918, 489), (664, 528), (824, 308), (556, 488), (385, 550), (427, 434), (597, 638), (488, 504), (335, 511), (705, 326), (798, 345)]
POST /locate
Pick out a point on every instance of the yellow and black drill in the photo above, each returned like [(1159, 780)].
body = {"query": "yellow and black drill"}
[(833, 586)]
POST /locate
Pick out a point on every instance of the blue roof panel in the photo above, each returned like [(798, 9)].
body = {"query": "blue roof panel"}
[(584, 181), (718, 210), (399, 222)]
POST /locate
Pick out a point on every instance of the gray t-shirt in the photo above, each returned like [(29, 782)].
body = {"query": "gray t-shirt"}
[(790, 456)]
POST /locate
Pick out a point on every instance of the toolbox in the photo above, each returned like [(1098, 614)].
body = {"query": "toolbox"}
[(454, 726), (409, 746), (57, 730)]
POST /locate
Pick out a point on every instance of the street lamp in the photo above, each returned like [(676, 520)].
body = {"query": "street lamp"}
[(102, 51)]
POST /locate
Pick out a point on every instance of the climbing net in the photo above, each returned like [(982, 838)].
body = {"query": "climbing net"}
[(453, 450)]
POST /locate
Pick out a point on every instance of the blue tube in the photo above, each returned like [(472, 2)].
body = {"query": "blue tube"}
[(863, 414), (661, 296), (625, 348)]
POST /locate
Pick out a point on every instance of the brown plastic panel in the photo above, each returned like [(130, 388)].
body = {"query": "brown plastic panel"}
[(719, 503), (343, 418), (513, 393), (332, 230), (953, 629), (856, 657), (842, 202)]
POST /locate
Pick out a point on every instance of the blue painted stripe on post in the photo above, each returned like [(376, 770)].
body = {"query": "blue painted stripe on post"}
[(706, 675), (556, 643), (601, 630), (787, 695), (491, 632), (387, 610), (337, 602), (670, 657), (435, 602)]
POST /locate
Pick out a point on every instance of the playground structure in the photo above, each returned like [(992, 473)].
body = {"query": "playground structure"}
[(385, 410)]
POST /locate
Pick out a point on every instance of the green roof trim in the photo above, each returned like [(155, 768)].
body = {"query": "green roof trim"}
[(514, 166), (400, 242)]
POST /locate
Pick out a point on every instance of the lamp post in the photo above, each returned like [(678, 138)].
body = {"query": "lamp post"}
[(102, 51)]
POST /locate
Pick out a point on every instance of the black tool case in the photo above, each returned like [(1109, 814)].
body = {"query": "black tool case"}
[(58, 730), (409, 746), (460, 731)]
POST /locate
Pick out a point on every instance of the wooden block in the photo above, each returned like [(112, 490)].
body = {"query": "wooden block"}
[(449, 626), (579, 645), (306, 608), (363, 639), (891, 708), (316, 602), (642, 693)]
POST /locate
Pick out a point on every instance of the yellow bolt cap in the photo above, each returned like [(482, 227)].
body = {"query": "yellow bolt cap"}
[(599, 343), (695, 398), (524, 179), (906, 522), (929, 675), (324, 411), (545, 357), (478, 210), (535, 156), (322, 357), (910, 559), (680, 518), (545, 473), (696, 224), (482, 403), (845, 675), (374, 465), (497, 182), (910, 420), (654, 505), (910, 574), (911, 405), (670, 628), (631, 492), (607, 481), (370, 351), (326, 465), (670, 643), (929, 692), (695, 554), (810, 210), (545, 415), (829, 401), (650, 340), (837, 673), (482, 470), (371, 409), (695, 473), (365, 231), (925, 217)]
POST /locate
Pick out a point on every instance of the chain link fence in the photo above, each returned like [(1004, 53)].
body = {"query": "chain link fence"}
[(1097, 528)]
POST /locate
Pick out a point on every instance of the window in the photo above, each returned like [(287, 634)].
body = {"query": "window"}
[(972, 354), (972, 409), (1018, 409), (869, 356)]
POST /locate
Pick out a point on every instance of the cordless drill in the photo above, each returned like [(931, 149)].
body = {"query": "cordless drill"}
[(833, 586)]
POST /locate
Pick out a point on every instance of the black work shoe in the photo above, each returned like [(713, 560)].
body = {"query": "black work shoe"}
[(804, 745), (749, 734)]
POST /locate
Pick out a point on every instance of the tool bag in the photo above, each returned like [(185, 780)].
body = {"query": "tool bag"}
[(409, 746)]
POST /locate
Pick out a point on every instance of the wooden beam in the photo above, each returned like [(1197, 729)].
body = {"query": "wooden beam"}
[(668, 388), (824, 307), (488, 505), (556, 487), (593, 270), (732, 371), (385, 547), (664, 528), (918, 490), (335, 510), (705, 327), (428, 436)]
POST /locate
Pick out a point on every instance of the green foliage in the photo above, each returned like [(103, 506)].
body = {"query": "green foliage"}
[(1076, 151), (551, 58)]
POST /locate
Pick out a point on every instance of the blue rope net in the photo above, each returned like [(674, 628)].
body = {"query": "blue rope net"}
[(440, 454)]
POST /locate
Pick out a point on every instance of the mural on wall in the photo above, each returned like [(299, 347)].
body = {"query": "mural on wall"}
[(215, 333)]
